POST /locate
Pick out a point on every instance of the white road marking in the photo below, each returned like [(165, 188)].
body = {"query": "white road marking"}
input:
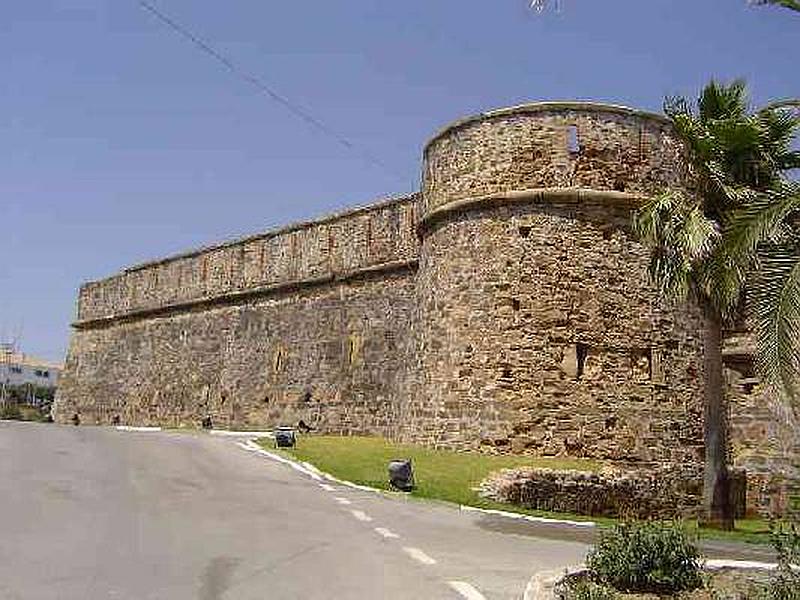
[(341, 500), (510, 515), (248, 434), (327, 488), (419, 555), (251, 446), (466, 590), (386, 533), (133, 428), (361, 515), (308, 469)]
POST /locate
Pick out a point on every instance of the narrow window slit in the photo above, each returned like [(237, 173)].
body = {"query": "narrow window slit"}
[(573, 143), (581, 352)]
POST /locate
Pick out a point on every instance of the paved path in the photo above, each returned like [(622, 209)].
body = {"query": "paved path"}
[(94, 513)]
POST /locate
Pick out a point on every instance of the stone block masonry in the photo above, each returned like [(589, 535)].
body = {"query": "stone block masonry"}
[(504, 308), (667, 491), (308, 322)]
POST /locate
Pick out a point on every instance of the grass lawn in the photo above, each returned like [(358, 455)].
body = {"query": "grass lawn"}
[(439, 474), (450, 476)]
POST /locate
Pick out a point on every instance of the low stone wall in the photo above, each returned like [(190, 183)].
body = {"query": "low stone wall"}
[(665, 492)]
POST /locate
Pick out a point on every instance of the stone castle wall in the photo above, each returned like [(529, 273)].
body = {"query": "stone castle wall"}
[(308, 322), (506, 307), (539, 330)]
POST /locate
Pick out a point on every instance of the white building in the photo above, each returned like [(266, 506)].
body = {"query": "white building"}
[(18, 368)]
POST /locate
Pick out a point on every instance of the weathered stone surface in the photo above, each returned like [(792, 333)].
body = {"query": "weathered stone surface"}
[(506, 308), (765, 435), (528, 147), (537, 318), (669, 491), (310, 322)]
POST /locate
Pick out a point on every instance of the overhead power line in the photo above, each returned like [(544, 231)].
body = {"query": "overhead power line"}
[(265, 89)]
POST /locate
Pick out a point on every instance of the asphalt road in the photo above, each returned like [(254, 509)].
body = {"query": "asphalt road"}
[(95, 513)]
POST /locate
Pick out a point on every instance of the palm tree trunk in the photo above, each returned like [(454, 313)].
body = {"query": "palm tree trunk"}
[(718, 511)]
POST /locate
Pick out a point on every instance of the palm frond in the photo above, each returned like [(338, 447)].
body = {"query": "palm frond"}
[(775, 305), (789, 161), (679, 236), (723, 101), (763, 218), (790, 4), (779, 127), (792, 103)]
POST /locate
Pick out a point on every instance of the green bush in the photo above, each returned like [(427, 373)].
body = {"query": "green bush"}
[(24, 412), (10, 411), (646, 557), (588, 590), (785, 584)]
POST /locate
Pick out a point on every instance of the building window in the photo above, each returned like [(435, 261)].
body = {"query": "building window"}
[(42, 373), (16, 370)]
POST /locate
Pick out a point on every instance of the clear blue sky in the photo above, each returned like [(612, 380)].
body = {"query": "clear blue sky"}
[(122, 142)]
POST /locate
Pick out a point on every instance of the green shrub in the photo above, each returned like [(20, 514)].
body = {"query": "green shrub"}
[(785, 584), (585, 589), (10, 411), (646, 557)]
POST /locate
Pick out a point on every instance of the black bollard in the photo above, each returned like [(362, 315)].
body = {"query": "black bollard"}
[(284, 437), (401, 474)]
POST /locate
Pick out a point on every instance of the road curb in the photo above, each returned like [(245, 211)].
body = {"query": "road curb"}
[(251, 446), (722, 563), (136, 428), (542, 584), (248, 434), (529, 518)]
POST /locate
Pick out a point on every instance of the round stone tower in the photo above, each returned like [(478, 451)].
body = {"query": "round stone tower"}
[(539, 331)]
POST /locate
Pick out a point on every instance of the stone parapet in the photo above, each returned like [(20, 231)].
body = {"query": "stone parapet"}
[(551, 145), (328, 248)]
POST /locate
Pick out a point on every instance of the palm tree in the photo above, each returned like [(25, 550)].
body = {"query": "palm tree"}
[(791, 4), (540, 5), (705, 240)]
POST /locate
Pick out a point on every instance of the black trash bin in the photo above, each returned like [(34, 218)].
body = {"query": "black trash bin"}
[(401, 474)]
